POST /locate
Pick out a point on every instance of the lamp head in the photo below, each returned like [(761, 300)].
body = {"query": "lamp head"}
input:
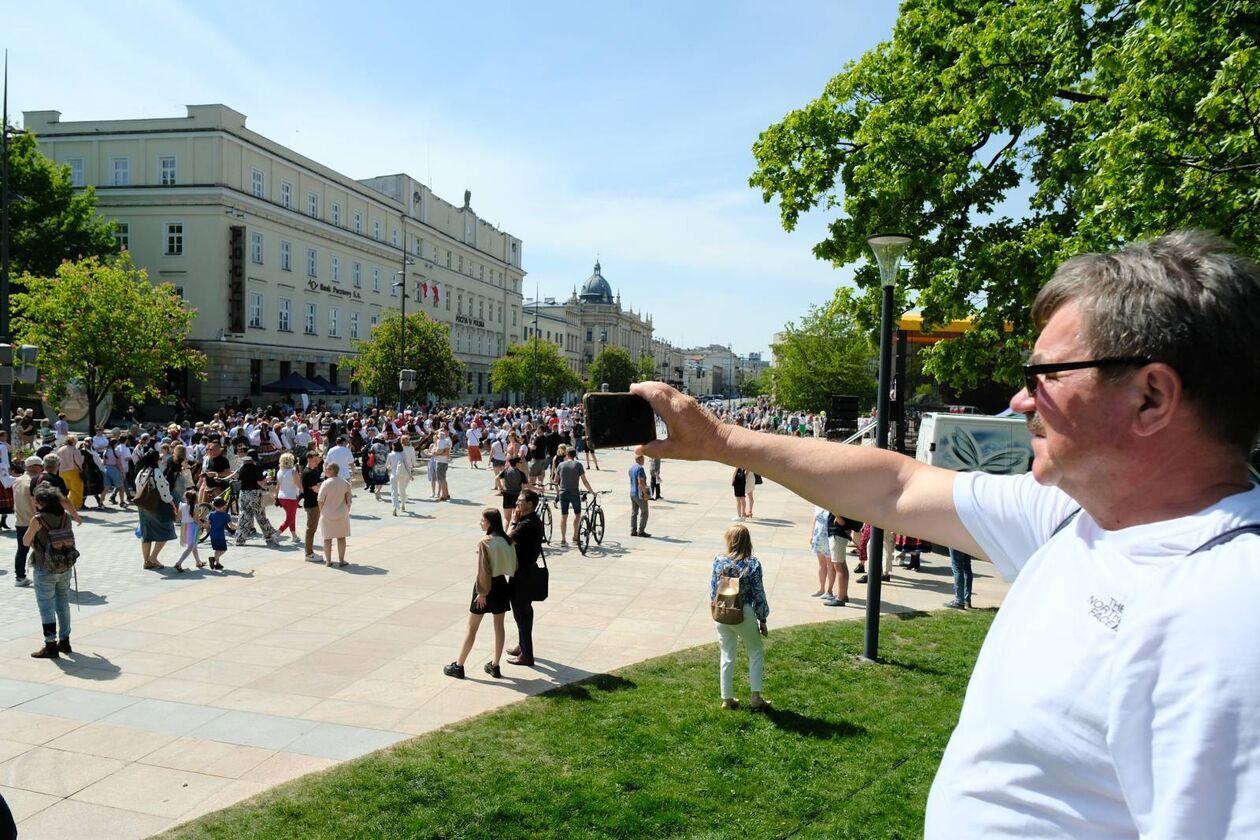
[(888, 248)]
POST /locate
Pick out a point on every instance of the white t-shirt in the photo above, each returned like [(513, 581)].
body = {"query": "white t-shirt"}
[(442, 450), (1118, 691), (344, 458)]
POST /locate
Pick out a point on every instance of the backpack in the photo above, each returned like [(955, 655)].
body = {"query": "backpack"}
[(728, 603), (60, 554), (147, 497)]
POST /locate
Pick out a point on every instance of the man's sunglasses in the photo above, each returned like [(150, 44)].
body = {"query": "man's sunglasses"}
[(1033, 372)]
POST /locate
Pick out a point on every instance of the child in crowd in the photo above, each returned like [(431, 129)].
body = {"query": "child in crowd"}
[(188, 531), (220, 524)]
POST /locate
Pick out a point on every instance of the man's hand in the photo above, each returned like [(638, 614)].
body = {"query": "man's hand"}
[(694, 433), (763, 629), (481, 602)]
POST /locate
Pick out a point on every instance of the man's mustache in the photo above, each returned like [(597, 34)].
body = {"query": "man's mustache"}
[(1033, 421)]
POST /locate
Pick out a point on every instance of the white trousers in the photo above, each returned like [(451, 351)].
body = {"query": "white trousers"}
[(398, 490), (729, 636)]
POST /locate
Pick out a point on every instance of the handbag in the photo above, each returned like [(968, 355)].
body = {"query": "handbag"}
[(540, 580), (147, 497), (728, 603), (757, 478)]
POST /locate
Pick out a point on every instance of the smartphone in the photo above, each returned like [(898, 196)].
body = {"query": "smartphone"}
[(618, 419)]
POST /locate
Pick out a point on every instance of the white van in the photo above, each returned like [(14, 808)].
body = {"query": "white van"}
[(975, 443)]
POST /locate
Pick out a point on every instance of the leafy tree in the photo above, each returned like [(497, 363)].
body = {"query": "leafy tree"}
[(48, 221), (1117, 119), (515, 371), (829, 353), (428, 353), (614, 367), (104, 326), (647, 368), (754, 386)]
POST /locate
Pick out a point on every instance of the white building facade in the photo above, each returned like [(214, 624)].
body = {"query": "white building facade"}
[(286, 261)]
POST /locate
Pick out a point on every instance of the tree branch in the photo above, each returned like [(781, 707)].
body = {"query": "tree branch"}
[(1010, 144), (1077, 96)]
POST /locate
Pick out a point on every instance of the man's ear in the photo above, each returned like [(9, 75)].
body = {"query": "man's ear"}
[(1158, 396)]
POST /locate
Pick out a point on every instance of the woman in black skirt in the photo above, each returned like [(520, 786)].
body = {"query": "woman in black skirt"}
[(496, 561)]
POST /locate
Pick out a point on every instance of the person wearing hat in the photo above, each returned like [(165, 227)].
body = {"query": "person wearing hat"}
[(23, 509), (253, 480)]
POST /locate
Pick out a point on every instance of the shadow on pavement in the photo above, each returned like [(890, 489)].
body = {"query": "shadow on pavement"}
[(91, 599), (356, 569), (87, 666)]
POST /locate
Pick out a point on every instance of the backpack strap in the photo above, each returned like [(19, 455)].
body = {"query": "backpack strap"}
[(1221, 539)]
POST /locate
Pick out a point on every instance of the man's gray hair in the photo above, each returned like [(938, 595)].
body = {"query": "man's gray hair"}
[(51, 462), (1189, 300)]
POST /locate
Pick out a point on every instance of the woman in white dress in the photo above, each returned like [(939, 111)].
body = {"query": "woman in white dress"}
[(399, 467)]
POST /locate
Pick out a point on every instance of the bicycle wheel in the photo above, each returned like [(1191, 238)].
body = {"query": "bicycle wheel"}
[(597, 525), (584, 534), (544, 513)]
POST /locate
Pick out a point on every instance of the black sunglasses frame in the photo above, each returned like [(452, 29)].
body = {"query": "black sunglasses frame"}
[(1031, 372)]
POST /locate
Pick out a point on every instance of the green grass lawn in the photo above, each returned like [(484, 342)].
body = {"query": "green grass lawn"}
[(849, 751)]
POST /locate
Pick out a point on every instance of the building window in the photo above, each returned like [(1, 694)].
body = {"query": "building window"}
[(284, 306), (481, 310), (166, 171), (376, 279), (514, 316), (376, 229), (335, 269), (395, 238), (286, 194), (310, 319), (461, 265), (312, 262), (448, 259), (332, 377), (256, 248), (459, 306), (482, 269), (419, 247), (589, 334), (77, 178), (285, 369), (286, 256), (376, 319), (358, 223), (122, 235), (357, 275), (446, 293), (312, 205), (255, 309), (393, 289), (354, 325), (332, 322), (122, 171), (255, 376), (174, 239), (336, 214), (258, 185)]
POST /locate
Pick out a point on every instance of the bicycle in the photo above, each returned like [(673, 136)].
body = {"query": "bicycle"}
[(544, 515), (592, 522), (230, 495)]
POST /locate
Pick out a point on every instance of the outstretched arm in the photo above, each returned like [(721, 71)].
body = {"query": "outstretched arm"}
[(874, 485)]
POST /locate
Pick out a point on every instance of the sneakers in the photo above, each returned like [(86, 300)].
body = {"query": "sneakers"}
[(454, 670), (832, 601), (22, 581), (956, 605), (493, 670)]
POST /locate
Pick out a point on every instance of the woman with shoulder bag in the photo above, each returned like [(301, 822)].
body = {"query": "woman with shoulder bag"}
[(157, 508), (738, 562)]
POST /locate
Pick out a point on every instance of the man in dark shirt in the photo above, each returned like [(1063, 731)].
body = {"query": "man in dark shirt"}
[(311, 478), (527, 539), (510, 481), (218, 469)]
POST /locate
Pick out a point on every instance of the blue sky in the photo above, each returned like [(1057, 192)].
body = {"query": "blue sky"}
[(623, 131)]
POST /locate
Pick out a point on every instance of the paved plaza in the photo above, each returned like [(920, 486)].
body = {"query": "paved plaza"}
[(187, 693)]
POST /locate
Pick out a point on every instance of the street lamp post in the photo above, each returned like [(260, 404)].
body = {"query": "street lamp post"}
[(888, 249), (402, 327), (6, 390)]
